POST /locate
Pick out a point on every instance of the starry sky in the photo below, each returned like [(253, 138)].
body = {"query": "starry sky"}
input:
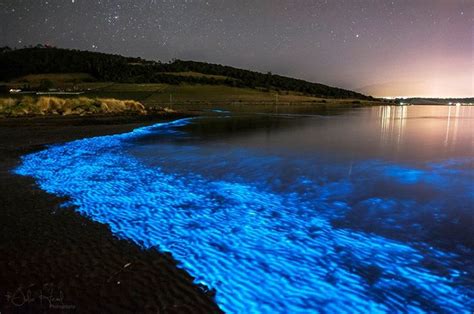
[(381, 48)]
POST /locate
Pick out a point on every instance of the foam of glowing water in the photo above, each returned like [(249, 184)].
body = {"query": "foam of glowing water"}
[(267, 238)]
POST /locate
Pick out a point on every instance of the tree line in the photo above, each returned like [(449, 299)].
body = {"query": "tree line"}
[(15, 63)]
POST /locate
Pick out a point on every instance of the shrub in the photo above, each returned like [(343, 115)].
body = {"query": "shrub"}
[(78, 106), (7, 103)]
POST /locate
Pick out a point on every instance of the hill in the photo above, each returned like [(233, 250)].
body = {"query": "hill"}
[(101, 67)]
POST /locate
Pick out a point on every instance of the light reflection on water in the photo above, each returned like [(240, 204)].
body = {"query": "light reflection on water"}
[(371, 210)]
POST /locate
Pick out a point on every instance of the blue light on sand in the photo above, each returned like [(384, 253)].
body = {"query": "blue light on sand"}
[(265, 240)]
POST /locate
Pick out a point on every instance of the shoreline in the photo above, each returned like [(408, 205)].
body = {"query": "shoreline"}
[(53, 259)]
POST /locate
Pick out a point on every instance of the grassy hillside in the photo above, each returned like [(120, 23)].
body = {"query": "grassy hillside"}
[(208, 97), (197, 74), (60, 78), (99, 67), (167, 93), (186, 97)]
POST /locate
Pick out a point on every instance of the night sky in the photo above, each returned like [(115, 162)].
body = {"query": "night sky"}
[(383, 48)]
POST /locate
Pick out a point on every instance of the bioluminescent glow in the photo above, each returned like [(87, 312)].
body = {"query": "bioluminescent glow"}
[(274, 233)]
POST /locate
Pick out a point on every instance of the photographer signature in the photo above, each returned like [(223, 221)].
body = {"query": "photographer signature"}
[(53, 299)]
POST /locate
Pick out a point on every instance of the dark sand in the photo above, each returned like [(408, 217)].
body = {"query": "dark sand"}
[(54, 260)]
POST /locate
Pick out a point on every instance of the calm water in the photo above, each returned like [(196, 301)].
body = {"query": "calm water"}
[(370, 210)]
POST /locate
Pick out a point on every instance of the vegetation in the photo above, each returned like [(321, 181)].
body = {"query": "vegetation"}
[(64, 106), (113, 68), (109, 81), (197, 74), (201, 97), (196, 97)]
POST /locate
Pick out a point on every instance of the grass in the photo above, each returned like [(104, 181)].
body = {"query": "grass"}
[(56, 77), (67, 106), (60, 80), (209, 93), (207, 97), (194, 93), (121, 87), (197, 74), (195, 96), (187, 94)]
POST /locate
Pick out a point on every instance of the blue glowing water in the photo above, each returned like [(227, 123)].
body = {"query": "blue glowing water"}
[(371, 211)]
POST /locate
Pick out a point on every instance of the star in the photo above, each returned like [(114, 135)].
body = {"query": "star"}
[(295, 38)]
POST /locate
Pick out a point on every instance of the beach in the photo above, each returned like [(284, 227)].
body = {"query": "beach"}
[(53, 259)]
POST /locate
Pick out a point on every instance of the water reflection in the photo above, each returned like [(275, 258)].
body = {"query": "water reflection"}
[(454, 132), (392, 124), (429, 126), (368, 211)]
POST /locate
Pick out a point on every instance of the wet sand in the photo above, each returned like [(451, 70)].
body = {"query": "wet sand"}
[(54, 260)]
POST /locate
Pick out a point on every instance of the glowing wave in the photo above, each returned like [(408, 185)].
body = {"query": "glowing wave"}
[(263, 247)]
